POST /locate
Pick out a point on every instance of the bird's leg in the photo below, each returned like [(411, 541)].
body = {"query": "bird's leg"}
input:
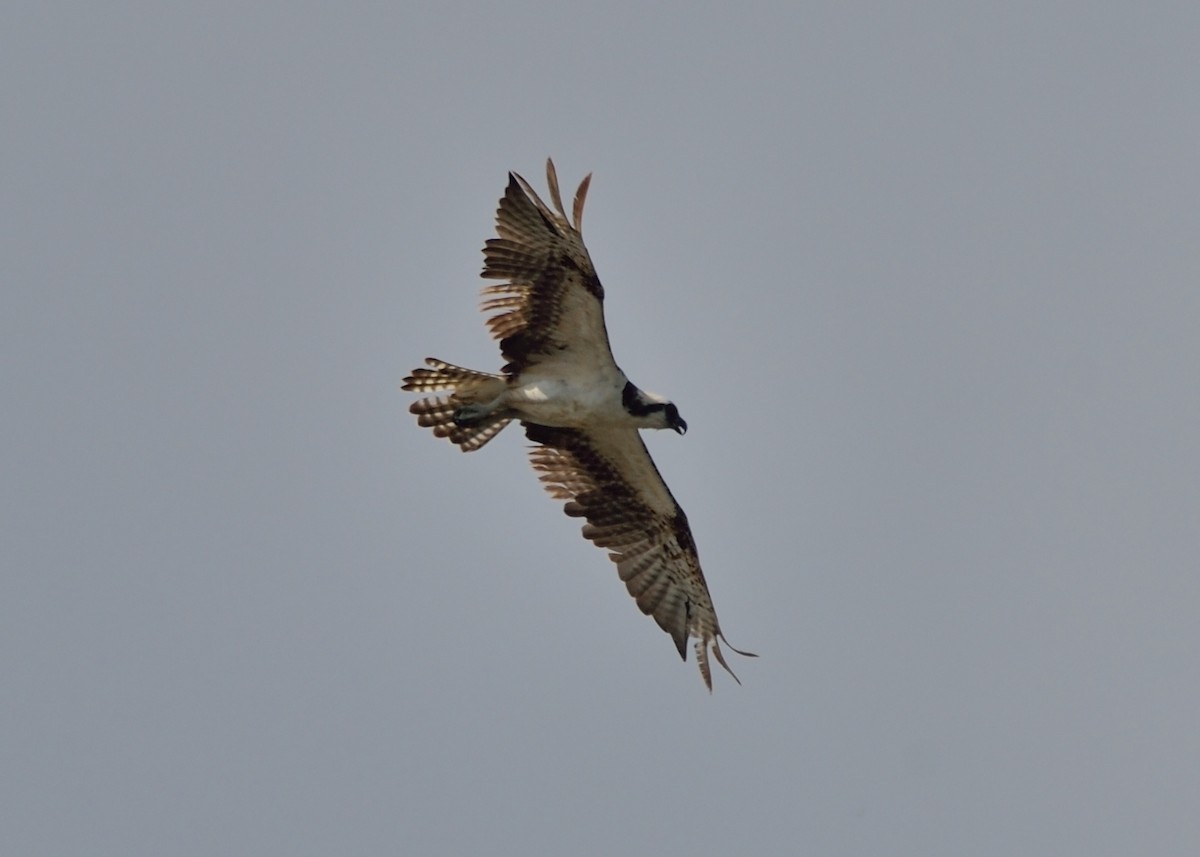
[(469, 415)]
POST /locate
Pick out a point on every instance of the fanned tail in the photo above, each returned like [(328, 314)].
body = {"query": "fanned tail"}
[(467, 386)]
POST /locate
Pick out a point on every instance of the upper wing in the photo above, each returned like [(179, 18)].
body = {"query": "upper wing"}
[(552, 304), (609, 478)]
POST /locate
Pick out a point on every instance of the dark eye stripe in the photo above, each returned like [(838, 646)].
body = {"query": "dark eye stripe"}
[(635, 404)]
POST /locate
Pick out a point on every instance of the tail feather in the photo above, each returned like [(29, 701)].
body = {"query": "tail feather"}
[(447, 376), (467, 386)]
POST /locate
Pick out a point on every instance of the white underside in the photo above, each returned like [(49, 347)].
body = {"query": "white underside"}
[(570, 401)]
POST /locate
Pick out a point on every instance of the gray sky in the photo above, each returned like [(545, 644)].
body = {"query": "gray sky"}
[(924, 284)]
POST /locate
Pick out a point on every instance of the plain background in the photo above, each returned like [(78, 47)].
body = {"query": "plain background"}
[(923, 279)]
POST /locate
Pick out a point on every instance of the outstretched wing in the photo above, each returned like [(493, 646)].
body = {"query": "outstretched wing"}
[(608, 478), (552, 305)]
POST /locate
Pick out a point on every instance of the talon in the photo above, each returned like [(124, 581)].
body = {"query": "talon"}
[(468, 416)]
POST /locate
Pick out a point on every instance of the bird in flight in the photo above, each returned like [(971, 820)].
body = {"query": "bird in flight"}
[(579, 410)]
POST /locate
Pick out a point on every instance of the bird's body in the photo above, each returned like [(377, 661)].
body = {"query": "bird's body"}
[(561, 382), (570, 396)]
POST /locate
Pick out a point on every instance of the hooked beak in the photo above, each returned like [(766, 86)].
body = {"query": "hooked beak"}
[(680, 427)]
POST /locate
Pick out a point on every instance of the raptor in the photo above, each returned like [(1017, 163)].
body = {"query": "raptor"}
[(582, 414)]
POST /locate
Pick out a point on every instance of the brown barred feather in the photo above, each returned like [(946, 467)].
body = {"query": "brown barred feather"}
[(609, 479), (550, 277), (468, 385)]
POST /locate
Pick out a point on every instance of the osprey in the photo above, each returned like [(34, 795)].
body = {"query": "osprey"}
[(578, 408)]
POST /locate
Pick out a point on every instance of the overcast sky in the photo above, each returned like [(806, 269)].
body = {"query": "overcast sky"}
[(924, 282)]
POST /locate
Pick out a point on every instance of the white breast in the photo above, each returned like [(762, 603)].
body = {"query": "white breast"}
[(569, 402)]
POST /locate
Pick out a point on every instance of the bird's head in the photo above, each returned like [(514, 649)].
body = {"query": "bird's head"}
[(674, 421), (652, 410)]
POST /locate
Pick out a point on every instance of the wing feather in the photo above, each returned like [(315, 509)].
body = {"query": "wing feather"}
[(609, 479), (551, 306)]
